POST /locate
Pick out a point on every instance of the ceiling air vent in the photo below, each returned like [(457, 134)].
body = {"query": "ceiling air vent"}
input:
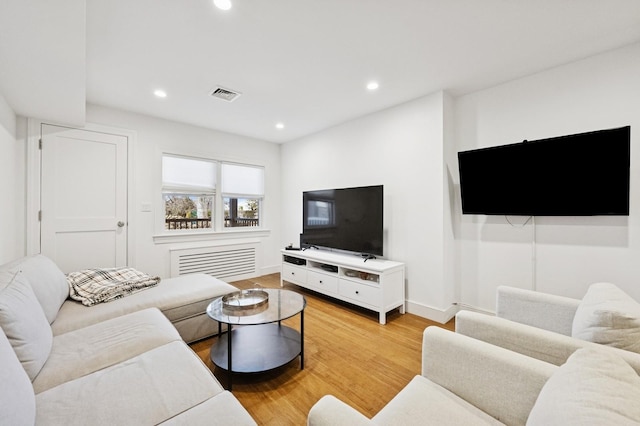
[(225, 94)]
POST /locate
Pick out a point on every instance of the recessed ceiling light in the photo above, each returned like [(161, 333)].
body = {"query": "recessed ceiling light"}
[(372, 85), (279, 126), (222, 4), (160, 93)]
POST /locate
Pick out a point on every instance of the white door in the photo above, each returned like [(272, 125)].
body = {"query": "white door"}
[(83, 198)]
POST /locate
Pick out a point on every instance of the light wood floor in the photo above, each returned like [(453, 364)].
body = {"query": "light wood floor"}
[(347, 354)]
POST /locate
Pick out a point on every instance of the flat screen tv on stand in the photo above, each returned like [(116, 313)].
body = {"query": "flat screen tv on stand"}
[(346, 219)]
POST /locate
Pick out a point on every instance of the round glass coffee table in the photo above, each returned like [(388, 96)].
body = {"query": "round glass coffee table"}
[(256, 340)]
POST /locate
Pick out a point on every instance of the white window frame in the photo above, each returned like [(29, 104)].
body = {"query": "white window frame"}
[(218, 230), (199, 189), (237, 191)]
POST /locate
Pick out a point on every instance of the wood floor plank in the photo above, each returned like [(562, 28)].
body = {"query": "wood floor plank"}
[(347, 354)]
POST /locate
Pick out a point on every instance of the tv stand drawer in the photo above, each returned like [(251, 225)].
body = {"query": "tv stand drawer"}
[(360, 292), (294, 274), (323, 281)]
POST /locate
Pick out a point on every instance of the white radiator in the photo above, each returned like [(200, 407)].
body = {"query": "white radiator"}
[(226, 262)]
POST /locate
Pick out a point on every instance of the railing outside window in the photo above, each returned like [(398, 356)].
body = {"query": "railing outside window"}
[(187, 223), (232, 223)]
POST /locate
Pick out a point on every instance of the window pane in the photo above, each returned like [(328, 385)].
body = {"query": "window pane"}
[(188, 211), (242, 180), (241, 212), (188, 172)]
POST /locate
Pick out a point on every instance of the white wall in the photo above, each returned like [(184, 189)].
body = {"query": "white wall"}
[(572, 252), (400, 148), (12, 185), (153, 136)]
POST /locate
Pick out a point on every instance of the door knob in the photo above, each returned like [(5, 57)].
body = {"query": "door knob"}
[(120, 224)]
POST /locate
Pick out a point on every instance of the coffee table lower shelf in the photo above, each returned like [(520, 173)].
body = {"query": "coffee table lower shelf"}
[(257, 348)]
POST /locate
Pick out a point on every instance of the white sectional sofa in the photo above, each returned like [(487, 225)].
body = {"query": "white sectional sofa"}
[(124, 365), (183, 300)]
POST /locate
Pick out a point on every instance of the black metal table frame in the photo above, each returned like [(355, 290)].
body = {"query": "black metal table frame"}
[(229, 345)]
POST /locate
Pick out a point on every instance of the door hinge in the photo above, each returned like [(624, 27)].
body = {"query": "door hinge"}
[(40, 143), (39, 215)]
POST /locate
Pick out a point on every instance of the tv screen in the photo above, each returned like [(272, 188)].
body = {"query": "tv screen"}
[(584, 174), (349, 219)]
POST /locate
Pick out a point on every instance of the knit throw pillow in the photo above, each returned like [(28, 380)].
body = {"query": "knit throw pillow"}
[(607, 315)]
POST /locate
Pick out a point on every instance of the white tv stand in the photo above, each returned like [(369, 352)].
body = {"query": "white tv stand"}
[(375, 284)]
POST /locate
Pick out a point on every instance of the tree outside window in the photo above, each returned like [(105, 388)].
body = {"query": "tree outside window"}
[(187, 211)]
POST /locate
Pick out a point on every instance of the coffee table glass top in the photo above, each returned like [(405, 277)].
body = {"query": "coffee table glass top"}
[(282, 304)]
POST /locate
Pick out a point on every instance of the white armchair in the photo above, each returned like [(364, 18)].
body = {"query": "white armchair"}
[(541, 310), (465, 381), (551, 328)]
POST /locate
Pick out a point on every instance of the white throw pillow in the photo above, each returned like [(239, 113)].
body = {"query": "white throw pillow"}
[(47, 281), (607, 315), (17, 400), (24, 323), (592, 388)]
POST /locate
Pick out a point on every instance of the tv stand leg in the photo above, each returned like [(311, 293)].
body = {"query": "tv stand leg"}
[(383, 318)]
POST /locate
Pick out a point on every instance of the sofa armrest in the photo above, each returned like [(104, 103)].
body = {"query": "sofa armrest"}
[(542, 310), (501, 383), (330, 411), (541, 344)]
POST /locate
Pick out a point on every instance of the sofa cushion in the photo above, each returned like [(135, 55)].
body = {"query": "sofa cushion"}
[(593, 387), (89, 349), (24, 322), (47, 281), (148, 389), (607, 315), (17, 402), (431, 404)]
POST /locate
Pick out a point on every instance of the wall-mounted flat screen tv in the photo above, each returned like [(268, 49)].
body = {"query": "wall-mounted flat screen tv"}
[(349, 219), (585, 174)]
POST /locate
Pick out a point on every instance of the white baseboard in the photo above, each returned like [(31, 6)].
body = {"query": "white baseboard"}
[(434, 314), (442, 316), (268, 270)]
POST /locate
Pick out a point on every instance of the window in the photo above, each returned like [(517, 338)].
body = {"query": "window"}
[(190, 193), (242, 194)]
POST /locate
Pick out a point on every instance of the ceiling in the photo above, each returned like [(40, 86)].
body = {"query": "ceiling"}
[(304, 63)]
